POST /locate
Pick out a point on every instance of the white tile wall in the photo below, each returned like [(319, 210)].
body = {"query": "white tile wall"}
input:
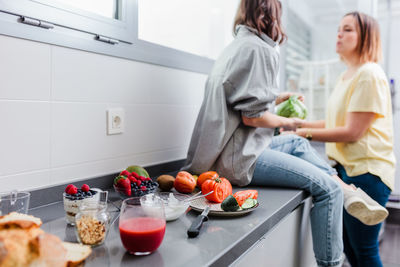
[(53, 114), (25, 69)]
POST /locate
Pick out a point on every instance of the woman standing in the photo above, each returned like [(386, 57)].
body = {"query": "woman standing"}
[(358, 129), (235, 126)]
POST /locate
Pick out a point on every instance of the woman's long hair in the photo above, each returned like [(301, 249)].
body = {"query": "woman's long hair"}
[(263, 16), (369, 46)]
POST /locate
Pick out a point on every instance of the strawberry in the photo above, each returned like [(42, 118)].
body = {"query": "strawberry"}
[(134, 174), (85, 188), (123, 184), (72, 190), (124, 173), (68, 187)]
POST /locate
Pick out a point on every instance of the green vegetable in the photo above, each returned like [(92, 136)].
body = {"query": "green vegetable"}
[(292, 107), (230, 204), (249, 203)]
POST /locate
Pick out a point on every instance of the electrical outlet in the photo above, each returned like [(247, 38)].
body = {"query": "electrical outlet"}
[(115, 121)]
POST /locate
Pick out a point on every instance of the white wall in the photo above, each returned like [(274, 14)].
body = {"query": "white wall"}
[(393, 72), (53, 103)]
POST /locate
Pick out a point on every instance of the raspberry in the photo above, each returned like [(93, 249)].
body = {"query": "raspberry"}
[(138, 182), (72, 190), (85, 188), (134, 174), (124, 173), (132, 179), (142, 178), (148, 179), (143, 188), (68, 187)]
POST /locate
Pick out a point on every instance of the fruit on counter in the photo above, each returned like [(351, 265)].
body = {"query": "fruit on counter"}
[(221, 186), (123, 185), (241, 196), (184, 182), (205, 176), (133, 184), (166, 182), (138, 170), (230, 204)]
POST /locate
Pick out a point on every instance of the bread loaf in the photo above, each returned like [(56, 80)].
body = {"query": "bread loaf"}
[(23, 243)]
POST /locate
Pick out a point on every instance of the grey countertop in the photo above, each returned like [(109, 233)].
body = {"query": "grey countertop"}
[(221, 241)]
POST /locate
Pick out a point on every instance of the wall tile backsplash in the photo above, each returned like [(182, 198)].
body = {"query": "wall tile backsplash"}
[(53, 103)]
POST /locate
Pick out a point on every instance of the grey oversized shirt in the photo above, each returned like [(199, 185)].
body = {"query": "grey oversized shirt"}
[(242, 82)]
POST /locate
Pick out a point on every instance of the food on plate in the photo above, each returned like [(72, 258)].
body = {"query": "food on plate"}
[(134, 183), (23, 243), (74, 197), (184, 182), (221, 187), (140, 171), (166, 182), (241, 200), (205, 176), (230, 204), (292, 107), (241, 196), (249, 203)]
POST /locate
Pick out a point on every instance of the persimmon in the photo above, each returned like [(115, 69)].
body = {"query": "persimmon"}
[(184, 182)]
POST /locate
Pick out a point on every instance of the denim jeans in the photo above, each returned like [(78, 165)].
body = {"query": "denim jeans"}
[(361, 244), (286, 168)]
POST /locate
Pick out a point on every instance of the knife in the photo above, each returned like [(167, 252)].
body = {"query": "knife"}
[(194, 229)]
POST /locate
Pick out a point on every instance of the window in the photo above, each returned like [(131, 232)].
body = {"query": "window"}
[(183, 34), (109, 18), (201, 27)]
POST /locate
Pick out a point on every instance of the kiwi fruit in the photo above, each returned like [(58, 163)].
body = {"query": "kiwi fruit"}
[(165, 182)]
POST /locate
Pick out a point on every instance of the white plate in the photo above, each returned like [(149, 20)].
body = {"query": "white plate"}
[(215, 208)]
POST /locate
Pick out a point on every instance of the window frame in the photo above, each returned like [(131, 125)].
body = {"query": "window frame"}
[(121, 42)]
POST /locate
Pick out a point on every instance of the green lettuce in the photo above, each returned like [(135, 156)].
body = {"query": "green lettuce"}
[(292, 108)]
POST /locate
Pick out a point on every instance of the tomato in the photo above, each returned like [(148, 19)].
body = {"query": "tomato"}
[(205, 176), (241, 196), (221, 187)]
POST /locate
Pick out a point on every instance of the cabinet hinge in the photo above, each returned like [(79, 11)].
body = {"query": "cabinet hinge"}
[(37, 23), (106, 40)]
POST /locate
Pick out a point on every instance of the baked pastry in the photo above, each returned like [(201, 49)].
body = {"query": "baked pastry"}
[(23, 243)]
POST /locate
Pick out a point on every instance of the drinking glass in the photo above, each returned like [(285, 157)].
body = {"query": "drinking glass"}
[(142, 224), (14, 201)]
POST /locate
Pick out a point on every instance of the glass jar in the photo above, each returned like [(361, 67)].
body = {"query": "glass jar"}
[(92, 223)]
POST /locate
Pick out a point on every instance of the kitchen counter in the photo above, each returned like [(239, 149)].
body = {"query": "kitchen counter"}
[(221, 242)]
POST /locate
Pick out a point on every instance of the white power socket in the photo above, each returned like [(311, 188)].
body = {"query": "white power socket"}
[(115, 121)]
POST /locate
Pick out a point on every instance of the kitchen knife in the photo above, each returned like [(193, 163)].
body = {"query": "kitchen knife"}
[(194, 229)]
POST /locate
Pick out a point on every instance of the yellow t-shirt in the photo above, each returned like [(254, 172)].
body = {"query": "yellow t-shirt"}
[(366, 91)]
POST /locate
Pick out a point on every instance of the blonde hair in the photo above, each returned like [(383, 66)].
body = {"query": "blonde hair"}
[(262, 15), (369, 46)]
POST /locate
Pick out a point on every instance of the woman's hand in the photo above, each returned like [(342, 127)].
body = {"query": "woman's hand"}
[(285, 96), (292, 124)]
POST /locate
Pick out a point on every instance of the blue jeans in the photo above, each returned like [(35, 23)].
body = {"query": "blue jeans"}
[(361, 244), (282, 165)]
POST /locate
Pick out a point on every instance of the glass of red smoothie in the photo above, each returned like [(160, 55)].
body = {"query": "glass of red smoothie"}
[(142, 224)]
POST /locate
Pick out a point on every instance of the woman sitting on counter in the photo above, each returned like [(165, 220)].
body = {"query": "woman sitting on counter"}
[(234, 126)]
